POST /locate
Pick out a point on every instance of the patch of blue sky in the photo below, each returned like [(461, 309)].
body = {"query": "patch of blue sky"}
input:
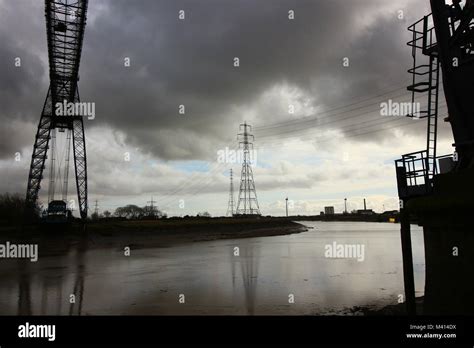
[(191, 166), (266, 159), (391, 161)]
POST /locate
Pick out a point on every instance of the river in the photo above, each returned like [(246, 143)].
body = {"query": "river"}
[(281, 275)]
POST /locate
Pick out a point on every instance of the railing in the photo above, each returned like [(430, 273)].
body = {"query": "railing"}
[(413, 176), (424, 51), (424, 36)]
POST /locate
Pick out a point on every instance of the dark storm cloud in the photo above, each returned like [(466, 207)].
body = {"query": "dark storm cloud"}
[(189, 62), (22, 88)]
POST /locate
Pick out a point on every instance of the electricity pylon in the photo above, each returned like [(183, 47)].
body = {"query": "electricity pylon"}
[(230, 206), (247, 203)]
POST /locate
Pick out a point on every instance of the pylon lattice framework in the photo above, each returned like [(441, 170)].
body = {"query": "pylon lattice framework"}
[(230, 206), (247, 202)]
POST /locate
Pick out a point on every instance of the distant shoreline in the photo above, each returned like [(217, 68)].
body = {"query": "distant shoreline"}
[(139, 234), (166, 233), (353, 217)]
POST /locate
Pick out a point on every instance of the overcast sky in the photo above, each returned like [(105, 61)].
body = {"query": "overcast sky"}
[(335, 144)]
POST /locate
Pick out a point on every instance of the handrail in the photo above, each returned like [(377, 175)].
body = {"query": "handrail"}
[(412, 174)]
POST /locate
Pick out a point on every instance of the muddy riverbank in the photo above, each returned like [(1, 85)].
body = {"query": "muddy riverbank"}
[(145, 233)]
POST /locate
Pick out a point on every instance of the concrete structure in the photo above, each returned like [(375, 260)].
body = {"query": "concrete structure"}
[(329, 210)]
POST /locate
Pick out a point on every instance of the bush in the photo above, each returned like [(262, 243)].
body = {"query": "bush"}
[(12, 209)]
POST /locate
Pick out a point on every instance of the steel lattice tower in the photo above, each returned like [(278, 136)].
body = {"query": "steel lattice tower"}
[(247, 203), (230, 207), (65, 24)]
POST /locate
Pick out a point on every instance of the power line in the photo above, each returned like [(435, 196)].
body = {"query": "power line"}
[(334, 119), (310, 117), (390, 120), (335, 122)]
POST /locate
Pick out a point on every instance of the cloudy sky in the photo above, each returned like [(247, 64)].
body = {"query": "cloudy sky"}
[(311, 87)]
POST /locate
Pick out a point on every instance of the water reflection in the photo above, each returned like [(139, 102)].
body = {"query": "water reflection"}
[(46, 280), (24, 299), (214, 280), (249, 261), (75, 307)]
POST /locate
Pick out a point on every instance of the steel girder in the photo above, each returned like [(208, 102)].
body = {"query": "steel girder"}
[(65, 24)]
